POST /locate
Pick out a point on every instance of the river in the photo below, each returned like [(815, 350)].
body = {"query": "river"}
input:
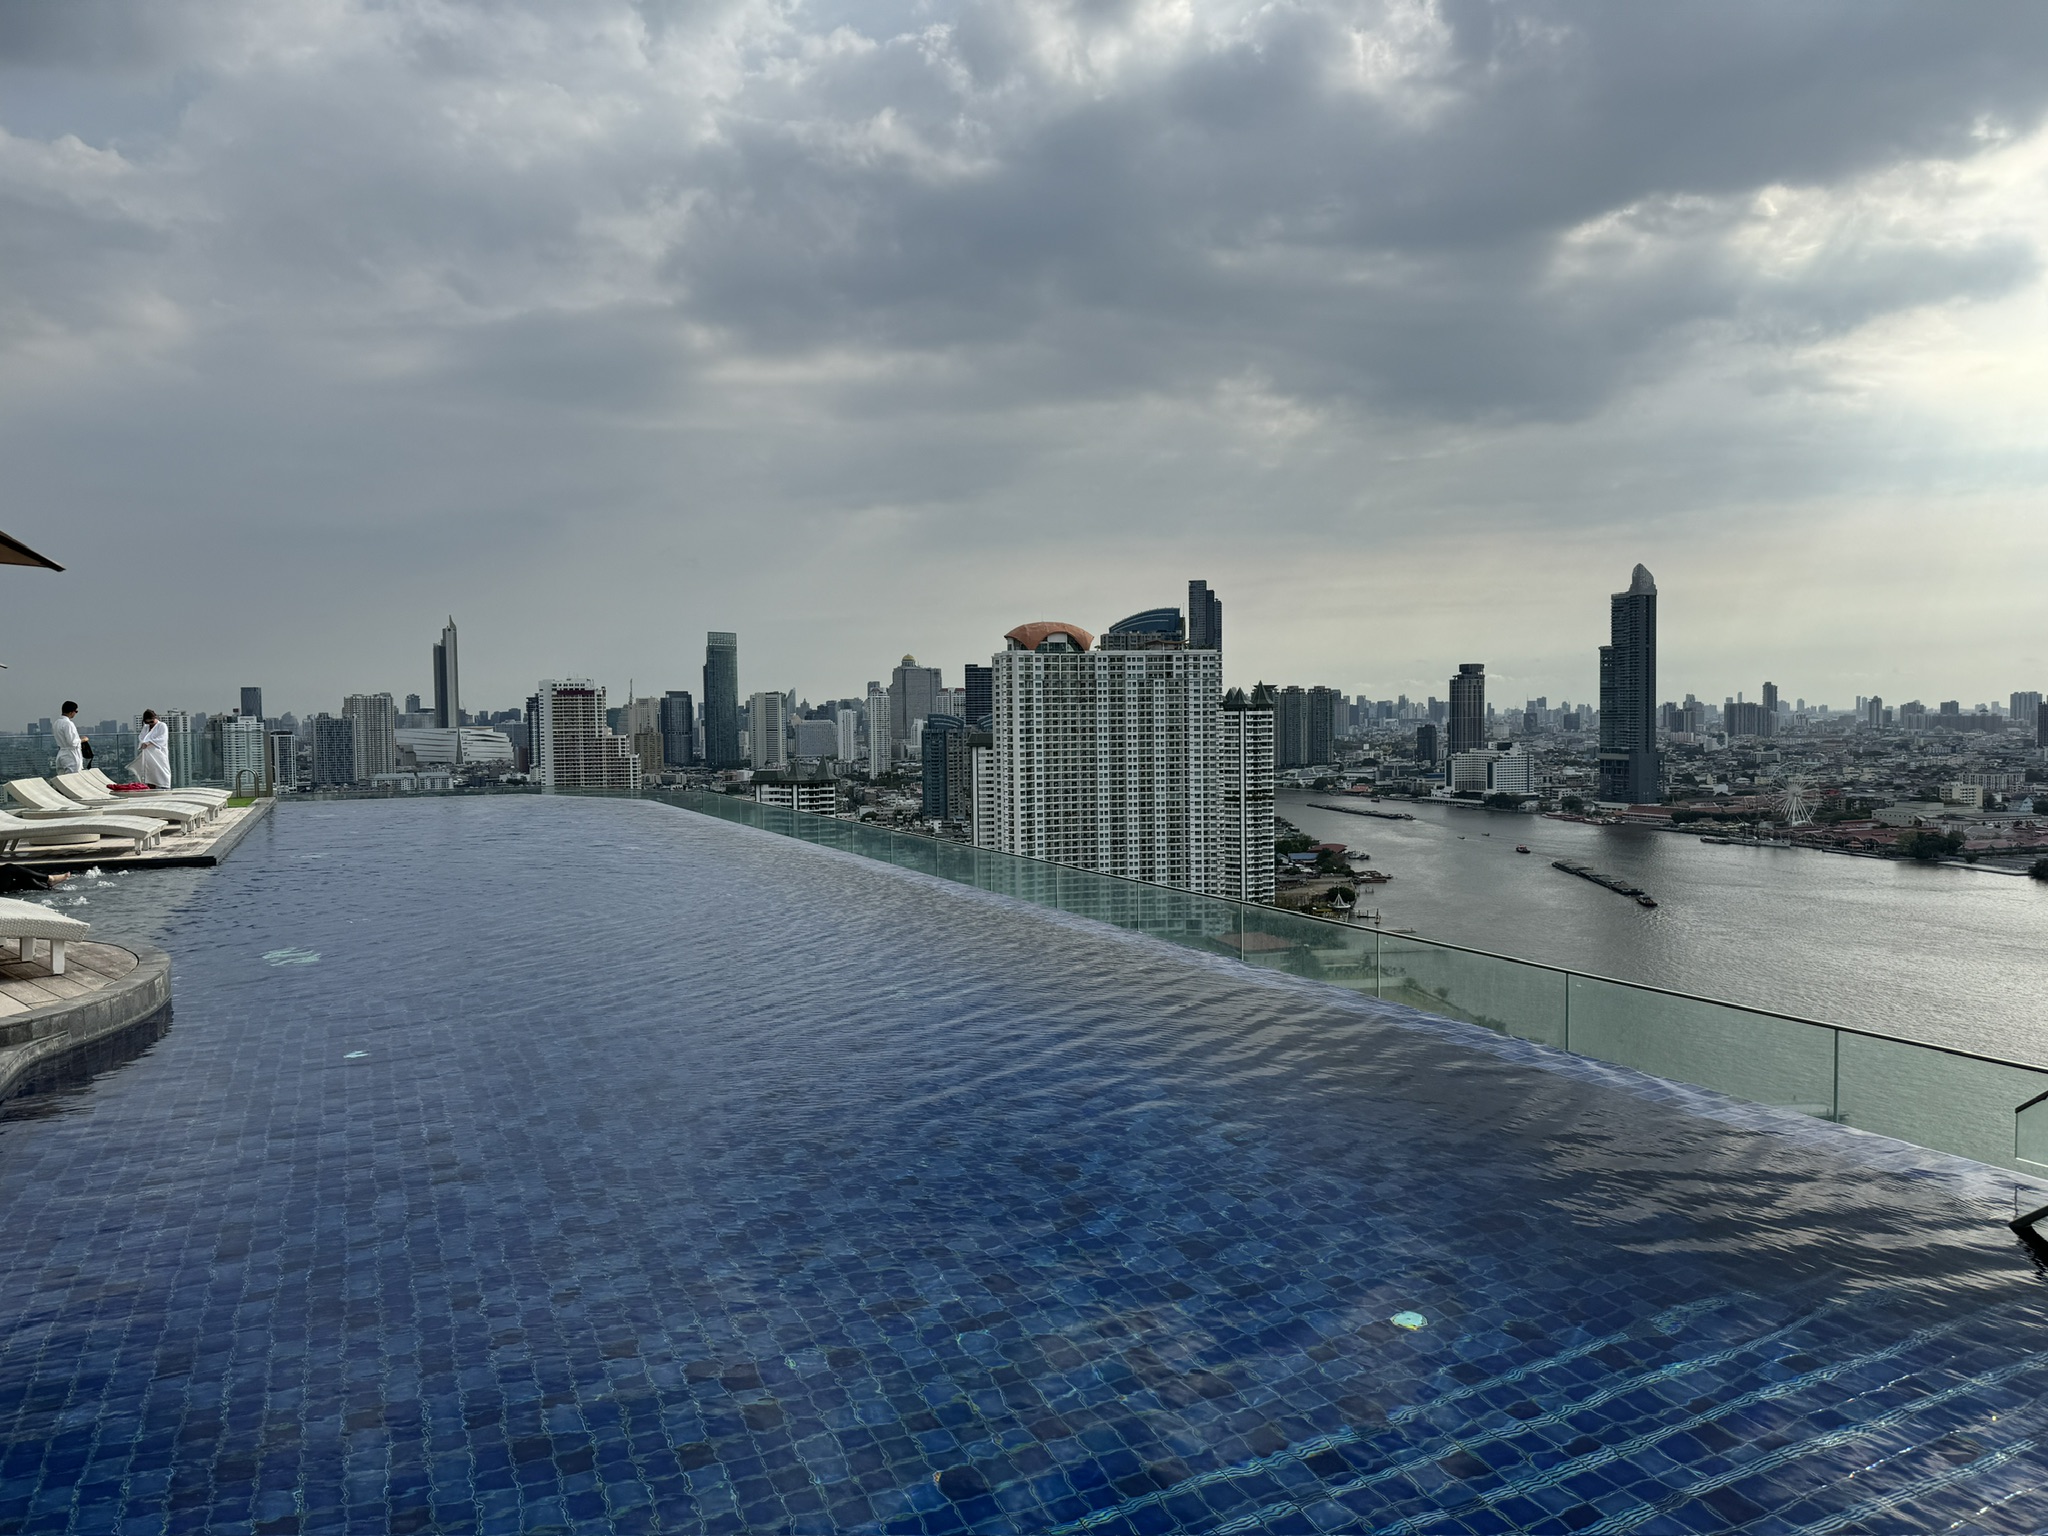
[(1950, 956)]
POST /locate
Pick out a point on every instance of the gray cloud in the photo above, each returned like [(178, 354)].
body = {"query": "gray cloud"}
[(687, 316)]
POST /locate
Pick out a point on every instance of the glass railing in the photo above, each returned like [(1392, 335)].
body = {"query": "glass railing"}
[(1952, 1101)]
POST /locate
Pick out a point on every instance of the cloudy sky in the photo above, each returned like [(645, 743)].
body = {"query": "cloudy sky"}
[(879, 328)]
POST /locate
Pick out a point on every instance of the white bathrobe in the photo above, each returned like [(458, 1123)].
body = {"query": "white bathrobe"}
[(153, 755), (69, 758)]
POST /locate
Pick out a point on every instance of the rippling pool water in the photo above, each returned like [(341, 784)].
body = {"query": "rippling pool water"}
[(548, 1164)]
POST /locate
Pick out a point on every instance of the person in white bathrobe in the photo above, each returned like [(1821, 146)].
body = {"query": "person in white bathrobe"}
[(70, 745), (153, 752)]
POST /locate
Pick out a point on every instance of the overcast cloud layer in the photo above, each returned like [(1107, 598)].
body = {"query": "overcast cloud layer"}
[(864, 330)]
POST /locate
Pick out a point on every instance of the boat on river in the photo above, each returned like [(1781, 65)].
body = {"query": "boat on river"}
[(1359, 810), (1618, 886)]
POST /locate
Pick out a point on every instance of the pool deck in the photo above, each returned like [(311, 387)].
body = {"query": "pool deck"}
[(190, 850), (105, 990)]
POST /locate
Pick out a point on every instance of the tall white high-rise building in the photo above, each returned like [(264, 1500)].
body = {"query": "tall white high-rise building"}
[(184, 750), (244, 755), (576, 749), (1109, 760), (1245, 794), (767, 725), (981, 777), (375, 716), (849, 735), (879, 745)]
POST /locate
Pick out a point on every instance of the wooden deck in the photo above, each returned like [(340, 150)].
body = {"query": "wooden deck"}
[(198, 849), (52, 1027), (88, 968)]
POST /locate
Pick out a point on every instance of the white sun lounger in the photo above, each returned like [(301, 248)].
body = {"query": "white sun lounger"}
[(39, 802), (25, 922), (139, 830), (97, 782), (73, 790)]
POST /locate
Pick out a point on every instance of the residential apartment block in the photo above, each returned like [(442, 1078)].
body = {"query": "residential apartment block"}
[(1116, 761), (575, 748)]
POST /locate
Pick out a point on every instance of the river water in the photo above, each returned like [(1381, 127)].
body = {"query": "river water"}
[(1954, 957)]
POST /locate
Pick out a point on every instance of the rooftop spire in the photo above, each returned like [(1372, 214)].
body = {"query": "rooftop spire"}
[(1641, 584)]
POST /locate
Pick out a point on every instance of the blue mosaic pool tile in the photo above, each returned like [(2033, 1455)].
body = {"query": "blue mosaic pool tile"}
[(967, 1218)]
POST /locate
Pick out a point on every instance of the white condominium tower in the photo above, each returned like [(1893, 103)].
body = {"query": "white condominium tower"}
[(1109, 760), (375, 717), (767, 728), (879, 746), (576, 749)]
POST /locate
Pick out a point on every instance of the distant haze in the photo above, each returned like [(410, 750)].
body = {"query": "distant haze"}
[(872, 329)]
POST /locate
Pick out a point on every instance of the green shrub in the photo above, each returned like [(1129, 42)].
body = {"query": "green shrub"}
[(1925, 843)]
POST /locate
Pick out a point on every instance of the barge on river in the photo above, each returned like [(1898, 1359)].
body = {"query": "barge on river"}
[(1641, 897)]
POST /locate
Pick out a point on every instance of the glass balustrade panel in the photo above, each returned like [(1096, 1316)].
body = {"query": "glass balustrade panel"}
[(1753, 1056), (1894, 1087), (1933, 1099)]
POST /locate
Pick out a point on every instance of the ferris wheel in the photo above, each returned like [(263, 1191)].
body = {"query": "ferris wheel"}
[(1792, 805)]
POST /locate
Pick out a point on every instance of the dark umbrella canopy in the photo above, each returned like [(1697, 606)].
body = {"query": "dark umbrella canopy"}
[(14, 552)]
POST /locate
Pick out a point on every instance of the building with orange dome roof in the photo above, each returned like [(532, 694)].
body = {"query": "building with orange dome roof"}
[(1113, 759), (1050, 635)]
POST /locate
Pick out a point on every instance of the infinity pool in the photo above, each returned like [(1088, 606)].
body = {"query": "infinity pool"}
[(563, 1165)]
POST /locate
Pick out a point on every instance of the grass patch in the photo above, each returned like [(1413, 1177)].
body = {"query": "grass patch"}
[(235, 802)]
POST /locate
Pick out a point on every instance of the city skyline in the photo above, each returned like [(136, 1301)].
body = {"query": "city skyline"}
[(1507, 681), (1761, 325)]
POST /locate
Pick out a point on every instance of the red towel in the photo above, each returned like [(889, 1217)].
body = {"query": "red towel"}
[(124, 789)]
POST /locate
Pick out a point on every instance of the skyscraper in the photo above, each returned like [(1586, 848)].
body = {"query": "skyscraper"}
[(947, 785), (913, 694), (1628, 696), (183, 748), (1290, 727), (678, 729), (641, 726), (1770, 698), (1108, 760), (447, 680), (1245, 794), (848, 744), (978, 696), (575, 749), (1425, 743), (817, 738), (1205, 618), (244, 755), (1322, 724), (1156, 629), (880, 748), (1466, 722), (722, 700), (252, 703), (334, 751), (374, 719), (281, 759), (767, 726)]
